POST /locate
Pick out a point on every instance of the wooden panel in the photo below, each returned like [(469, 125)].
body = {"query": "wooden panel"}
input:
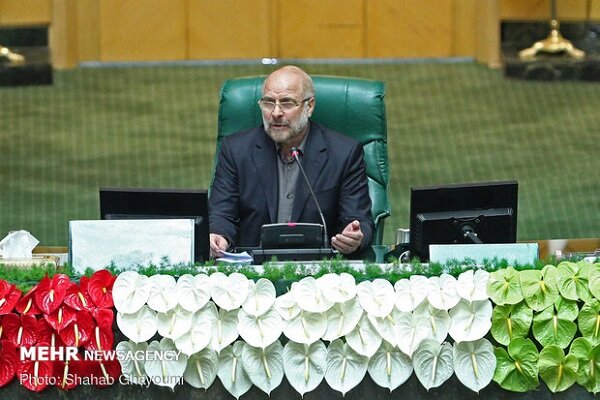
[(410, 28), (63, 34), (25, 12), (540, 9), (464, 41), (228, 29), (321, 28), (142, 30), (88, 22), (488, 33)]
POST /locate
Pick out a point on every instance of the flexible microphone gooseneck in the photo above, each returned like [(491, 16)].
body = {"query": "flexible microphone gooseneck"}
[(296, 153)]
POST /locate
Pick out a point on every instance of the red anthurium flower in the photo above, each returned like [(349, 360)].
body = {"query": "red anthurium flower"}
[(80, 331), (8, 320), (100, 288), (26, 304), (102, 337), (50, 293), (106, 372), (67, 373), (8, 362), (35, 375), (9, 296), (20, 331), (77, 296), (47, 334), (61, 318)]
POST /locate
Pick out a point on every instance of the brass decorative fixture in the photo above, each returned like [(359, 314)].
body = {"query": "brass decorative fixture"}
[(13, 58), (555, 43)]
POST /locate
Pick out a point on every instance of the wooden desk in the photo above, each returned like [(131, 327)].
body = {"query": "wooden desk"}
[(562, 247)]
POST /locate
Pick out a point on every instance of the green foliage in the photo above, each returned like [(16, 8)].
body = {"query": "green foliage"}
[(517, 369)]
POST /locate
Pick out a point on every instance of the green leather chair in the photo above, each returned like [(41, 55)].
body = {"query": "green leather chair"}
[(352, 106)]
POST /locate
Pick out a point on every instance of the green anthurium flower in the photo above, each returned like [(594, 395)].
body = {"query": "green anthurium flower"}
[(517, 369), (504, 286), (573, 281), (588, 357), (540, 288), (594, 280), (555, 325), (589, 321), (511, 321), (557, 371)]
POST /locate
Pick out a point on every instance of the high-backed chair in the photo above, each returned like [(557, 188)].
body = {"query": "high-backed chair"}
[(351, 106)]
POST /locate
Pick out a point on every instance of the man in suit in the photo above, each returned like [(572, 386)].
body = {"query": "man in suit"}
[(257, 181)]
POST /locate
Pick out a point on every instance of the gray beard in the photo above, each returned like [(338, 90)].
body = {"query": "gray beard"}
[(294, 128)]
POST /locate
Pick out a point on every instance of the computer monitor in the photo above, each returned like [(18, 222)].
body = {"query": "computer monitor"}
[(463, 213), (129, 203)]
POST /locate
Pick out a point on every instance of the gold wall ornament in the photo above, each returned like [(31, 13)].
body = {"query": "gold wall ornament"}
[(13, 58), (555, 43)]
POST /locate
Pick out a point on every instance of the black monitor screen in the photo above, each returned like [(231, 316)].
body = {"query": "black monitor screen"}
[(465, 213), (126, 203)]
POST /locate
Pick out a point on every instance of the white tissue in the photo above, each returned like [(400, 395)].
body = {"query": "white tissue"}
[(18, 244)]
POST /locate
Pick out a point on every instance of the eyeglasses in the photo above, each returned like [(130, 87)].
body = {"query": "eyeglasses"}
[(268, 105)]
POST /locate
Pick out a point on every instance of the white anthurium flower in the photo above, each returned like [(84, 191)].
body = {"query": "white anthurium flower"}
[(345, 367), (389, 367), (309, 297), (224, 329), (433, 363), (442, 292), (261, 297), (163, 371), (286, 306), (342, 318), (364, 339), (138, 327), (337, 288), (386, 326), (411, 292), (437, 321), (199, 336), (304, 365), (229, 292), (306, 327), (264, 367), (131, 291), (231, 372), (193, 291), (474, 363), (132, 366), (174, 323), (411, 330), (201, 370), (260, 331), (470, 321), (376, 298), (472, 285), (163, 295)]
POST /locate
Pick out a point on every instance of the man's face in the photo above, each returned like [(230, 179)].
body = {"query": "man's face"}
[(284, 125)]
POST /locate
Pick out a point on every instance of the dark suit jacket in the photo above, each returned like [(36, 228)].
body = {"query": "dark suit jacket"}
[(244, 193)]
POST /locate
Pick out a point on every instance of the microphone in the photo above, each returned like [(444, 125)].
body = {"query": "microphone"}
[(296, 153)]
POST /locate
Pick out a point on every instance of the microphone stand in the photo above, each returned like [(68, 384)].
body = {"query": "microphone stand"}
[(295, 155)]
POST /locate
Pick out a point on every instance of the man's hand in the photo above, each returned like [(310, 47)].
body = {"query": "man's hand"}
[(349, 240), (218, 244)]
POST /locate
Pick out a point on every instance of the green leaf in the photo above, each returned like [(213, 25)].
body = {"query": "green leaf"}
[(540, 288), (517, 369), (511, 321), (555, 325), (559, 372), (588, 374), (504, 286), (573, 281), (589, 321)]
